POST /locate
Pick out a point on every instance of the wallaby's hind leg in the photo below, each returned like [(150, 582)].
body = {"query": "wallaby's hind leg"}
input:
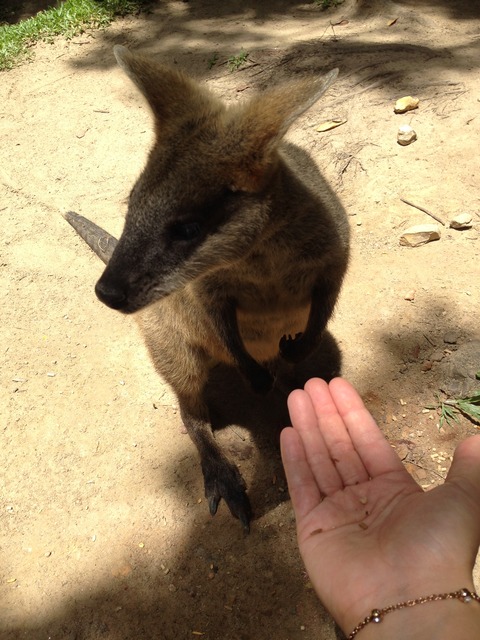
[(186, 368), (221, 477)]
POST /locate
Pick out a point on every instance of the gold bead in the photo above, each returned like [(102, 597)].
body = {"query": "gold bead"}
[(376, 615), (465, 595)]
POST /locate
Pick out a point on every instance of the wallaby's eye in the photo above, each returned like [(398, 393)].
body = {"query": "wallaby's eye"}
[(186, 230)]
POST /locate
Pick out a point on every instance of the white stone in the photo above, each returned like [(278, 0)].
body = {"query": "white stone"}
[(406, 135), (461, 221)]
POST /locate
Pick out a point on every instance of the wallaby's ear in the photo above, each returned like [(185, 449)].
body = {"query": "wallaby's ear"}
[(257, 127), (172, 96)]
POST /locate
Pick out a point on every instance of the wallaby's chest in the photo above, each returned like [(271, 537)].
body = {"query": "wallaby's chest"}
[(261, 331)]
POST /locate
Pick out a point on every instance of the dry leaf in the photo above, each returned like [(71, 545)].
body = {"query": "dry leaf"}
[(330, 124)]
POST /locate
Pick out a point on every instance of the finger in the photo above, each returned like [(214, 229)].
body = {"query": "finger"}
[(376, 454), (305, 422), (337, 439), (302, 486)]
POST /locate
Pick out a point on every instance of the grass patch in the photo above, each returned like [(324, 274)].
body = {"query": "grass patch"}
[(449, 409), (68, 19), (235, 62), (326, 4)]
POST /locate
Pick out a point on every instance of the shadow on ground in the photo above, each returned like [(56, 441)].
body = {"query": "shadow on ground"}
[(200, 592)]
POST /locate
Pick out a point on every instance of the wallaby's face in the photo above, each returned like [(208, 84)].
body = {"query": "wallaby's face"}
[(177, 210), (202, 199)]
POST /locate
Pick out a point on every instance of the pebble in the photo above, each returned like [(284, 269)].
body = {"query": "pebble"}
[(451, 337), (406, 135), (437, 356), (461, 221), (420, 234), (402, 451), (407, 103)]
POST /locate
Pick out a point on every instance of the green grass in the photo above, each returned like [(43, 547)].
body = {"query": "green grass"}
[(449, 409), (326, 4), (69, 19), (235, 62), (213, 60)]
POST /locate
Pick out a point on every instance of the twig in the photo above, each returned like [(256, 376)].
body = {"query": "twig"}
[(429, 213), (428, 340), (426, 469)]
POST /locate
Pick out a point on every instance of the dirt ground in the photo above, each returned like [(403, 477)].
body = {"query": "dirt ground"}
[(104, 532)]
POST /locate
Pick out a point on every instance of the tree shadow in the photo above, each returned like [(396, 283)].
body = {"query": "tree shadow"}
[(198, 41), (13, 11)]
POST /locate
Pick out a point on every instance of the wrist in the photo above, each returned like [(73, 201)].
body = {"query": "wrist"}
[(392, 594), (439, 619)]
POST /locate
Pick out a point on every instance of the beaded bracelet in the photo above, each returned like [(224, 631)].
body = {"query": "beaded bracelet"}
[(464, 595)]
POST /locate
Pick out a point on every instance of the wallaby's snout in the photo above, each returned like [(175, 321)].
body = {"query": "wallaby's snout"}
[(111, 293)]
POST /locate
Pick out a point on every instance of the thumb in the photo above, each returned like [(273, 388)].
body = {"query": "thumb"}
[(465, 474), (465, 469)]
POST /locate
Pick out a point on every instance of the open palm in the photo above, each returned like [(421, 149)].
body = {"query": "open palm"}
[(368, 534)]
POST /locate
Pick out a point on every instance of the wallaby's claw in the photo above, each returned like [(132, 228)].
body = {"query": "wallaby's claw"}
[(245, 521), (229, 485), (293, 349), (213, 502)]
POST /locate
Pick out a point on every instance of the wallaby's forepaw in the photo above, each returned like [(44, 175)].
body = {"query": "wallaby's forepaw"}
[(293, 349), (227, 483)]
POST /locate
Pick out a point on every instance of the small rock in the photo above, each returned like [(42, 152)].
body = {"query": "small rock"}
[(421, 473), (420, 234), (451, 337), (437, 356), (427, 365), (458, 372), (461, 221), (407, 103), (406, 135), (402, 451), (410, 295)]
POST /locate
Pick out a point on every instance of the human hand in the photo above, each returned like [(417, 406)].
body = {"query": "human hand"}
[(368, 534)]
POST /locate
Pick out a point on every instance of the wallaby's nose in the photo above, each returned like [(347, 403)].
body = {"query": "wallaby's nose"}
[(113, 295)]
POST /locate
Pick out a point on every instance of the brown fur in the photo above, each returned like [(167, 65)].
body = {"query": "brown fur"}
[(234, 247)]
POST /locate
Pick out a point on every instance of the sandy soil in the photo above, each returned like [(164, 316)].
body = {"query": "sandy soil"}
[(103, 527)]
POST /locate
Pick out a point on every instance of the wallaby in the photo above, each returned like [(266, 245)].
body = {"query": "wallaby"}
[(233, 251)]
